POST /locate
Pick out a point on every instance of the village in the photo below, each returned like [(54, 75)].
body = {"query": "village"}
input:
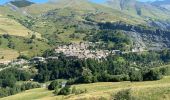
[(80, 50)]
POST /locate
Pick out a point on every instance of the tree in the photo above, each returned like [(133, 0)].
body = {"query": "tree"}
[(9, 81), (87, 76)]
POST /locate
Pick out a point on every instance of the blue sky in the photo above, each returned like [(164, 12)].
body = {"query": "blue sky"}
[(41, 1)]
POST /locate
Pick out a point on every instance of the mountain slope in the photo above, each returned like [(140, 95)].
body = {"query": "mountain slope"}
[(21, 3), (138, 9), (65, 21), (164, 4), (10, 26)]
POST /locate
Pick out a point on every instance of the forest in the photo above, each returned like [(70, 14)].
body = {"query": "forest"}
[(114, 68)]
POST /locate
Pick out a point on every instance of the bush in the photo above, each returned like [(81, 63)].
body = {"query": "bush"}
[(9, 81), (112, 78), (29, 85), (15, 90), (3, 92), (123, 95), (71, 81), (135, 76), (56, 92), (53, 85), (78, 91), (23, 57), (65, 91), (152, 75), (74, 90)]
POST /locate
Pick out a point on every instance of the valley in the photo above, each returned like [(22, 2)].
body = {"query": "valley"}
[(82, 50)]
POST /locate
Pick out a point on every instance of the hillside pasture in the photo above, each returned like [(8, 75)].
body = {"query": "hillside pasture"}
[(8, 55), (11, 27)]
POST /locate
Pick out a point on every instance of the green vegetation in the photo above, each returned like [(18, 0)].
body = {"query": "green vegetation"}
[(54, 84), (65, 91), (24, 46), (130, 66), (111, 40), (35, 29), (123, 95), (149, 90), (8, 79), (10, 76)]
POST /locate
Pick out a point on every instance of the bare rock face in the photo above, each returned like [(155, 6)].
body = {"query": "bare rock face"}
[(150, 38)]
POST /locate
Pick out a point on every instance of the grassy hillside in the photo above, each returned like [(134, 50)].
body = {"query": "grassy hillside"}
[(23, 46), (9, 26), (12, 27), (139, 9), (83, 7), (8, 54), (150, 90), (19, 35)]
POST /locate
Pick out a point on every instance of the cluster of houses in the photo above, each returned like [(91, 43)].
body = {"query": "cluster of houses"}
[(82, 51)]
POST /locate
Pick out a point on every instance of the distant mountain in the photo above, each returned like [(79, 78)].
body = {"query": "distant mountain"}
[(138, 9), (164, 4), (21, 3)]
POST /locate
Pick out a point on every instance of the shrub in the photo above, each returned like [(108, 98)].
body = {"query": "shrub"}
[(29, 85), (74, 90), (56, 91), (71, 81), (65, 91), (3, 92), (152, 75), (9, 81), (53, 85), (135, 76), (78, 91), (123, 95), (23, 57)]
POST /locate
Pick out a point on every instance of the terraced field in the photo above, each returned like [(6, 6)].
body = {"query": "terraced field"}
[(150, 90)]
